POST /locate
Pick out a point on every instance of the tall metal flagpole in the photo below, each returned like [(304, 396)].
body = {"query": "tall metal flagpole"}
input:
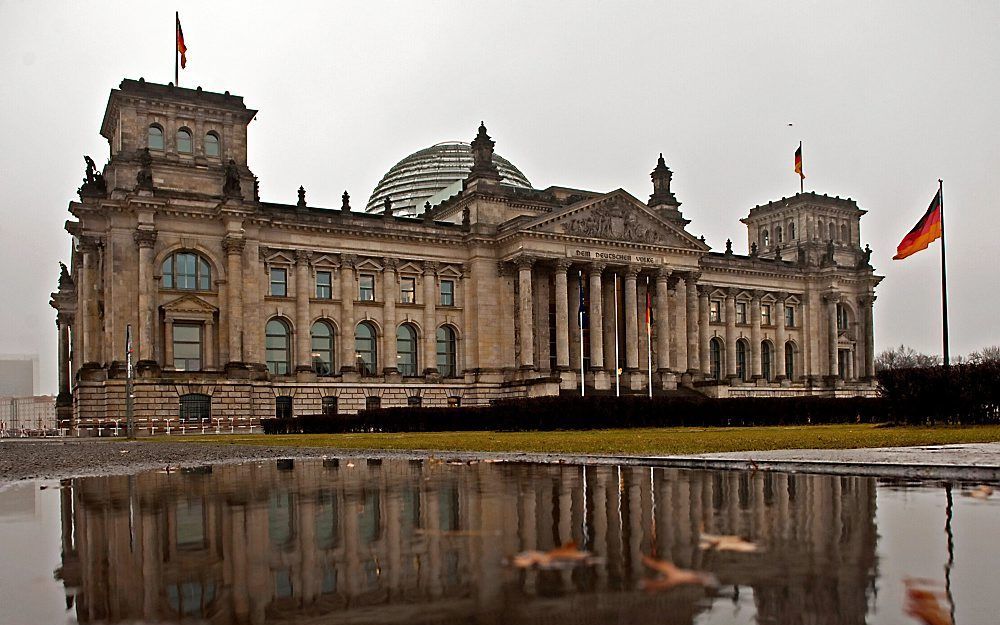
[(580, 317), (177, 53), (618, 369), (801, 178), (649, 340), (944, 280)]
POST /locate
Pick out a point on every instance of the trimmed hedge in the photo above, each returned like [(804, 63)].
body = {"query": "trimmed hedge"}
[(593, 412), (966, 394)]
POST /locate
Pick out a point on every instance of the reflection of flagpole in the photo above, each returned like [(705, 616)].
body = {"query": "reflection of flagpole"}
[(586, 538), (944, 279), (618, 369), (951, 550), (652, 514)]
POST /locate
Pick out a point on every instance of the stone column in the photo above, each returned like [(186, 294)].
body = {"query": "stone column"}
[(596, 318), (209, 339), (780, 337), (168, 343), (755, 363), (691, 301), (831, 299), (63, 323), (704, 322), (867, 306), (430, 320), (631, 320), (145, 240), (662, 321), (303, 331), (390, 293), (562, 315), (89, 295), (233, 247), (731, 333), (574, 324), (348, 291), (525, 309)]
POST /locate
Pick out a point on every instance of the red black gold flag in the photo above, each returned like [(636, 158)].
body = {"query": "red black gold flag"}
[(649, 307), (181, 48), (926, 230), (798, 162)]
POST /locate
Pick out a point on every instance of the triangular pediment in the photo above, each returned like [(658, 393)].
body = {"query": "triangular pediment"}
[(189, 304), (618, 217)]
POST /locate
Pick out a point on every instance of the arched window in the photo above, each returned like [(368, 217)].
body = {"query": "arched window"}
[(765, 238), (154, 138), (322, 348), (195, 408), (790, 360), (791, 231), (366, 348), (187, 271), (819, 230), (741, 360), (832, 230), (406, 350), (715, 357), (212, 144), (777, 234), (278, 347), (845, 233), (184, 141), (446, 360), (765, 359)]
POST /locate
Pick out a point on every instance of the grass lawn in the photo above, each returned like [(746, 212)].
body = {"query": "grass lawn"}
[(645, 441)]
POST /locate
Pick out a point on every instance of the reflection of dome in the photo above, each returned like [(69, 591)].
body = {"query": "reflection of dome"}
[(425, 174)]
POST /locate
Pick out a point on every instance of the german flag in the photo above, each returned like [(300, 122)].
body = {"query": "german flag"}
[(181, 48), (798, 162), (926, 230)]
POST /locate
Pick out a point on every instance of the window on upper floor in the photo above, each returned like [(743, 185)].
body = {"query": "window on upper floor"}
[(279, 282), (154, 138), (842, 319), (366, 287), (765, 238), (845, 233), (765, 314), (408, 290), (322, 348), (324, 285), (790, 316), (186, 271), (278, 347), (184, 143), (831, 231), (446, 352), (778, 234), (212, 144), (741, 312), (791, 231), (187, 347), (715, 311), (406, 350), (447, 292)]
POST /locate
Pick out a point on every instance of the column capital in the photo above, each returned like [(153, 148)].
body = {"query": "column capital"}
[(524, 261), (705, 290), (867, 300), (732, 292), (144, 237), (430, 267), (563, 264), (348, 260), (692, 276), (831, 297), (756, 294), (390, 264), (662, 274), (64, 318), (89, 243), (233, 244), (631, 272), (302, 257), (781, 296)]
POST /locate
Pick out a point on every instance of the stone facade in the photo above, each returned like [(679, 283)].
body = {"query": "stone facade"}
[(237, 304)]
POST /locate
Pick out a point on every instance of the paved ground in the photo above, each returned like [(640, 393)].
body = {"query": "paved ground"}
[(32, 459)]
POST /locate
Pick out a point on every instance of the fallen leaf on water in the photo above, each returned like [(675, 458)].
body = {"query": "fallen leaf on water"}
[(671, 576), (561, 557), (983, 492), (727, 543), (922, 603), (350, 465)]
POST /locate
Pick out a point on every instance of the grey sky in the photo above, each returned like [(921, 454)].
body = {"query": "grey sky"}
[(886, 96)]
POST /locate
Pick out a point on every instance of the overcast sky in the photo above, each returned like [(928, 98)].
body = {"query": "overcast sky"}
[(886, 96)]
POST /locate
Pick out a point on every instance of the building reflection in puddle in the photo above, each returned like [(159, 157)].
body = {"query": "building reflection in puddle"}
[(389, 541)]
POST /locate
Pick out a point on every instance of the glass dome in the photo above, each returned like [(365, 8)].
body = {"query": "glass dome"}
[(433, 174)]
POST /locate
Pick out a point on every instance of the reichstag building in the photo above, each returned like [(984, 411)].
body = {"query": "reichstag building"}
[(457, 283)]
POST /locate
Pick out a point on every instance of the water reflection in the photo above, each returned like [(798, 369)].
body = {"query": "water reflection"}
[(402, 541)]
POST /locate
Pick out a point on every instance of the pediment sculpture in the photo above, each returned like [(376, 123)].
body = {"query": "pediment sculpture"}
[(616, 222)]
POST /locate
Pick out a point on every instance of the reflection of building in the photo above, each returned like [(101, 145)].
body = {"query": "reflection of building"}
[(399, 541), (243, 309)]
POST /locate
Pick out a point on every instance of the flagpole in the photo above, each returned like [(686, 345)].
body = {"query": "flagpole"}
[(177, 75), (579, 315), (944, 281), (649, 340), (618, 369), (801, 178)]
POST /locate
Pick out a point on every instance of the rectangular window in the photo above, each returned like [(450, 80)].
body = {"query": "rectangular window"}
[(408, 290), (329, 406), (715, 311), (741, 312), (324, 285), (447, 292), (366, 288), (765, 314), (279, 282), (790, 316), (187, 347)]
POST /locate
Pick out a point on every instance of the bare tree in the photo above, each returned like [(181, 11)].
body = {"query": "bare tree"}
[(904, 357), (986, 354)]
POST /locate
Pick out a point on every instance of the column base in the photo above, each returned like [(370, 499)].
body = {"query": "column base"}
[(833, 381), (637, 380), (92, 372), (237, 370), (668, 380), (733, 380), (686, 379), (599, 379), (568, 379), (147, 369), (304, 373)]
